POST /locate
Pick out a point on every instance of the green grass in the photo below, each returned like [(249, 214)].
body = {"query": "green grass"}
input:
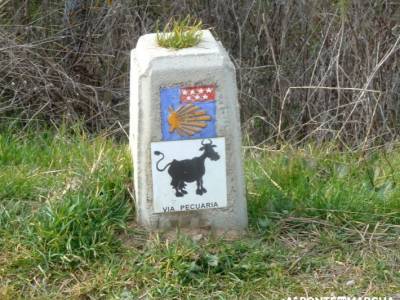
[(179, 34), (321, 222)]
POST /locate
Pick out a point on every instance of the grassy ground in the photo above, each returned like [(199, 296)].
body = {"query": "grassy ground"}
[(321, 223)]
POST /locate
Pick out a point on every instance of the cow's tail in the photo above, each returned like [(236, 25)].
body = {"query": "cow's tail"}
[(158, 162)]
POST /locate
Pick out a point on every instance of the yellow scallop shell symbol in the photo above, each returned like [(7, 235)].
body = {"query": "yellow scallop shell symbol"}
[(187, 119)]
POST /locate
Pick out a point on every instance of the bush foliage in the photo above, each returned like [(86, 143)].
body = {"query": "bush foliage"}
[(306, 70)]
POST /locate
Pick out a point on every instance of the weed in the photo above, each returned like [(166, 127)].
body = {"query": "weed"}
[(179, 34), (316, 183), (64, 198), (79, 228)]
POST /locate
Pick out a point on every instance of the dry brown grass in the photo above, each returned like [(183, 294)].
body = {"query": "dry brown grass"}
[(307, 71)]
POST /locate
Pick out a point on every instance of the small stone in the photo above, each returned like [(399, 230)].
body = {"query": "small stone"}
[(350, 282), (197, 237)]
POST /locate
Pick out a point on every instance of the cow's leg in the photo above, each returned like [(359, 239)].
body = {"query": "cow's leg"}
[(178, 193), (202, 187), (175, 184), (182, 187), (198, 190)]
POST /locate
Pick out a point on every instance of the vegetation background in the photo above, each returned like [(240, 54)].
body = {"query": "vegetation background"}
[(307, 70), (319, 86)]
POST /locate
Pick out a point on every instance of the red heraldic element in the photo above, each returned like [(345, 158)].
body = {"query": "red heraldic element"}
[(205, 93)]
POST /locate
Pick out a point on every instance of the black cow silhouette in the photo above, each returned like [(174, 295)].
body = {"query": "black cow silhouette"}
[(189, 170)]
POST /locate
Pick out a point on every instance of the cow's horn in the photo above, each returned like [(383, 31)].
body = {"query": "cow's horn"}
[(210, 143)]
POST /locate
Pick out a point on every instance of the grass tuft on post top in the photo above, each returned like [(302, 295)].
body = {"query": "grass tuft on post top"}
[(179, 34)]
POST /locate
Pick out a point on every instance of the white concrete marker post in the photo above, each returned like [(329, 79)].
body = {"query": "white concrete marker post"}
[(185, 137)]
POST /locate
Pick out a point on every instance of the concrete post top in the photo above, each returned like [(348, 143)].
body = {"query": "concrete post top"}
[(147, 49)]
